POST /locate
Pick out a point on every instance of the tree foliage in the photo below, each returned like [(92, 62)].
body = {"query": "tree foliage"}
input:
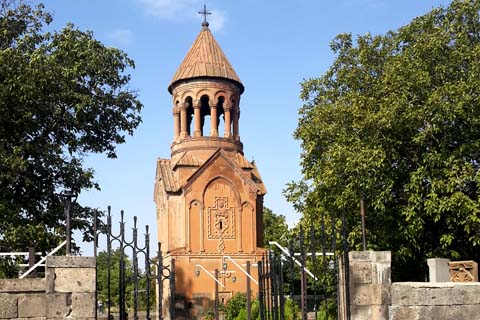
[(275, 227), (106, 263), (396, 120), (63, 95)]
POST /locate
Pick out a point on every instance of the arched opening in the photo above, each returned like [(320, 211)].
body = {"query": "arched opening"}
[(176, 120), (189, 102), (204, 113), (220, 115)]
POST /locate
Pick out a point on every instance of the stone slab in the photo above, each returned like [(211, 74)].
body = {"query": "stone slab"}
[(83, 305), (373, 256), (369, 312), (32, 305), (70, 262), (59, 305), (370, 294), (435, 293), (8, 305), (457, 312), (438, 270), (74, 280), (22, 285), (360, 272)]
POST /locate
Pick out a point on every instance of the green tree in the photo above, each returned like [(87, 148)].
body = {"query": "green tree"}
[(235, 305), (396, 120), (63, 95), (112, 263), (275, 228)]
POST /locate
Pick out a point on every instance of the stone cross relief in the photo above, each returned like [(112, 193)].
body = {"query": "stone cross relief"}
[(221, 220)]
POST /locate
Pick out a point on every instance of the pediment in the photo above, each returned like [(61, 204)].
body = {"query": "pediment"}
[(220, 164)]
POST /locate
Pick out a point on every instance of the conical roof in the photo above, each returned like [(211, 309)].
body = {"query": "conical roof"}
[(205, 59)]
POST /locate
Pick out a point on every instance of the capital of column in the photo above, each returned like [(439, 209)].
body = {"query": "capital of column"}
[(183, 106), (197, 104), (175, 111)]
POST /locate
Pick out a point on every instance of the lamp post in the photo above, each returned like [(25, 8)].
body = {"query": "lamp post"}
[(68, 197)]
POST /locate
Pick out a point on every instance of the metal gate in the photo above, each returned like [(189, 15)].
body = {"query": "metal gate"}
[(310, 277), (124, 286)]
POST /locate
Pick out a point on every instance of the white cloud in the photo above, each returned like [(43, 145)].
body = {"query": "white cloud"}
[(182, 10), (122, 37), (217, 20)]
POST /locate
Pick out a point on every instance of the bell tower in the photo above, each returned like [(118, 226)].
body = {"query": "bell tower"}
[(209, 197)]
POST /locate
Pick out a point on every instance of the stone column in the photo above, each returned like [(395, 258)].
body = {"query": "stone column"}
[(228, 121), (213, 120), (183, 120), (236, 117), (369, 284), (176, 123), (197, 131)]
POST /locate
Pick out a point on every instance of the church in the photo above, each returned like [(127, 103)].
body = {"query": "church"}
[(208, 196)]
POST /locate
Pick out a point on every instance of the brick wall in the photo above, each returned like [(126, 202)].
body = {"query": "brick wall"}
[(68, 290)]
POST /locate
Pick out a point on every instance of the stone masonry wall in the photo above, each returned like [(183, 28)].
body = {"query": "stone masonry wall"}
[(369, 284), (372, 297), (439, 301), (67, 291)]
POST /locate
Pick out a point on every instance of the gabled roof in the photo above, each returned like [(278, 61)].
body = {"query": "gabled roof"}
[(186, 158), (205, 59), (165, 173)]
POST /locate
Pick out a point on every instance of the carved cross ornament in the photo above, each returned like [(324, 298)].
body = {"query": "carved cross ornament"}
[(221, 221)]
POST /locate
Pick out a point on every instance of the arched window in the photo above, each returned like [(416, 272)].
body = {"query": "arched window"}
[(204, 113), (189, 102), (220, 115)]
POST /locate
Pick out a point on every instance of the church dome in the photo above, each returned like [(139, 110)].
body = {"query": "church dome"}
[(205, 59)]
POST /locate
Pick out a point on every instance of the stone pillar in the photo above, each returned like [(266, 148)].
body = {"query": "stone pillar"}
[(176, 123), (228, 121), (236, 117), (197, 131), (438, 270), (213, 120), (70, 287), (369, 284), (183, 120)]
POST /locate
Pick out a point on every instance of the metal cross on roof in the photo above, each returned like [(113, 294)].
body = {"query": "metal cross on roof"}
[(205, 13)]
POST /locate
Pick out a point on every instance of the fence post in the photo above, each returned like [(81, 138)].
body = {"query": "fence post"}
[(249, 294)]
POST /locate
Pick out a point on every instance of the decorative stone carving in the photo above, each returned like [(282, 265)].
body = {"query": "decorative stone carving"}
[(221, 222), (463, 271)]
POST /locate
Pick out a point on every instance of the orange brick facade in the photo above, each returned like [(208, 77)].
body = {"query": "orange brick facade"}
[(209, 198)]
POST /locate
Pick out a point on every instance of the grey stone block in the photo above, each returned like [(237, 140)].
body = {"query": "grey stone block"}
[(370, 294), (22, 285), (8, 305), (83, 305), (404, 313), (59, 305), (381, 273), (438, 293), (374, 256), (32, 305), (438, 270), (369, 312), (74, 280), (70, 262), (360, 272)]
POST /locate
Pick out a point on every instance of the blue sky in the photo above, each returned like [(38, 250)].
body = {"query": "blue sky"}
[(272, 44)]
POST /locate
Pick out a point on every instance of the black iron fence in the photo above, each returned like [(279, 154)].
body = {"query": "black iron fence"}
[(127, 276), (310, 277)]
